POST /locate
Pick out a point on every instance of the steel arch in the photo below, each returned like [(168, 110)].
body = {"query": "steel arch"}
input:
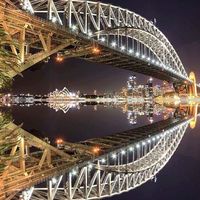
[(93, 19), (103, 180)]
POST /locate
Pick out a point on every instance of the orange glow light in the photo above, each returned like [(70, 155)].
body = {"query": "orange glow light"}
[(59, 141), (96, 150), (59, 59), (96, 50)]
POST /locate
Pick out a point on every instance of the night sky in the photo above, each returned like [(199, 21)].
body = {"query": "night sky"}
[(179, 21)]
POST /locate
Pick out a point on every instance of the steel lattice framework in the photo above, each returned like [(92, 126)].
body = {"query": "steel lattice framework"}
[(126, 39), (93, 168), (116, 172), (28, 161)]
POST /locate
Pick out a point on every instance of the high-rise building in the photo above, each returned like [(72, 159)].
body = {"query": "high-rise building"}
[(148, 89)]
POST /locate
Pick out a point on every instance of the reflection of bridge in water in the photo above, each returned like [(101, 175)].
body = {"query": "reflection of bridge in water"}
[(91, 169), (97, 32)]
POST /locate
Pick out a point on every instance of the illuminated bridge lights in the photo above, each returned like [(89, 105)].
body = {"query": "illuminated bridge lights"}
[(143, 56), (74, 172), (113, 44), (102, 39), (98, 27), (145, 161), (96, 50), (122, 48), (54, 180), (123, 152), (96, 150), (137, 54), (130, 51), (26, 5), (114, 156), (138, 146), (90, 33), (131, 148), (90, 166), (74, 27), (59, 141), (54, 19), (59, 57)]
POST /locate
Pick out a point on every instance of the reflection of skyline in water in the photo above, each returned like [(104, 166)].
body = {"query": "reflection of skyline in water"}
[(133, 107)]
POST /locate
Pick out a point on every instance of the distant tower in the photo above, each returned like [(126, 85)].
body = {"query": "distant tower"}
[(150, 87), (124, 92), (131, 83), (95, 92)]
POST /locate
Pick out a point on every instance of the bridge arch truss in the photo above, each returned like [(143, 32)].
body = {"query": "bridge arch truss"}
[(113, 27), (117, 172)]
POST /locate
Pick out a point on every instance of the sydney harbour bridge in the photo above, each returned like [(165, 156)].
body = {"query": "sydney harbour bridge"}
[(98, 167), (94, 31)]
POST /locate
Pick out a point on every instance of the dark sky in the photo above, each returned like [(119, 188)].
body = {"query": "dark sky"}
[(177, 19)]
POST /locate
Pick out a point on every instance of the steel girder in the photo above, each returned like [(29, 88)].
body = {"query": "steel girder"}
[(32, 39), (100, 24), (95, 19), (138, 153), (105, 178), (28, 161)]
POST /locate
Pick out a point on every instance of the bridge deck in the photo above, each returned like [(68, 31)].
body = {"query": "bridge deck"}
[(119, 140)]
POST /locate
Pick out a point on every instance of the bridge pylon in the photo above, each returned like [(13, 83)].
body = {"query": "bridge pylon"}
[(193, 86)]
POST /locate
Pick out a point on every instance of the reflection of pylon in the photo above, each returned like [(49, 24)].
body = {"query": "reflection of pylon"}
[(193, 112)]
